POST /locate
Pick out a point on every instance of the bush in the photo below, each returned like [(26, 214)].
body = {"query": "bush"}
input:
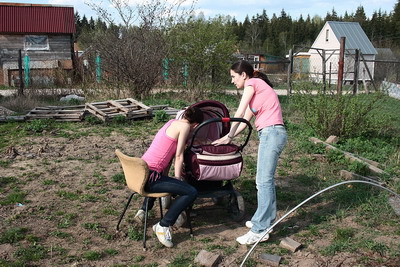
[(340, 115)]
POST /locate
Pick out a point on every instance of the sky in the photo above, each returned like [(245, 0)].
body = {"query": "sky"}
[(240, 8)]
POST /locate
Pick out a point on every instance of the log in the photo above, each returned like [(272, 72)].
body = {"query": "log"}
[(348, 155)]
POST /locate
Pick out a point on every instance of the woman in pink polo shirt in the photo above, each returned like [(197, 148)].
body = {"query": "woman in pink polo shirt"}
[(169, 143), (259, 100)]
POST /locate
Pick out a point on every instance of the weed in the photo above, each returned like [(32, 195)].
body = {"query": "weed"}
[(139, 258), (93, 120), (38, 126), (119, 119), (180, 260), (118, 178), (33, 252), (49, 182), (16, 196), (134, 234), (5, 163), (161, 116), (67, 195), (344, 234), (92, 255), (60, 234), (13, 235), (111, 251)]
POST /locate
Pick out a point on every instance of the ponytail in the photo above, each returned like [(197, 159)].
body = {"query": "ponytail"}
[(244, 66), (262, 76)]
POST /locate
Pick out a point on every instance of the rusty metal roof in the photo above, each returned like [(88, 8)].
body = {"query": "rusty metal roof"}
[(31, 18)]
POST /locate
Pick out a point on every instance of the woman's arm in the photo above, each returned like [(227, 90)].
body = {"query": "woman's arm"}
[(182, 138), (243, 111)]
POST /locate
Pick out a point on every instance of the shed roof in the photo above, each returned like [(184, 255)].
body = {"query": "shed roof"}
[(355, 36), (31, 18)]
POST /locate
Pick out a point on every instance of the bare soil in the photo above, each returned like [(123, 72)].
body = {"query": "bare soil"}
[(69, 187)]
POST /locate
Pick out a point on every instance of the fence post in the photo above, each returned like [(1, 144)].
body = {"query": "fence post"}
[(356, 71), (369, 73), (341, 65), (290, 71), (323, 71), (98, 68), (27, 70), (21, 80)]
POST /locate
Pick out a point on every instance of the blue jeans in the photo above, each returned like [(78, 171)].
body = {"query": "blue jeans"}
[(272, 141), (186, 195)]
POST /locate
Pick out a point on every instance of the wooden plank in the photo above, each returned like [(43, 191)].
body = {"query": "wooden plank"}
[(118, 105), (348, 155), (93, 108)]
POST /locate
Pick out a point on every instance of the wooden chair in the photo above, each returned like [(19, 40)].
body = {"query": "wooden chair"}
[(136, 174)]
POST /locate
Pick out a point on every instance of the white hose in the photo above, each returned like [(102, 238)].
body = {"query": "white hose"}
[(316, 194)]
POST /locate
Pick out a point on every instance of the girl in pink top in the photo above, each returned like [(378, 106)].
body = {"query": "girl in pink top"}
[(169, 143), (259, 100)]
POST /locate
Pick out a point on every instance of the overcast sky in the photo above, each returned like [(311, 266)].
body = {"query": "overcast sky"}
[(240, 8)]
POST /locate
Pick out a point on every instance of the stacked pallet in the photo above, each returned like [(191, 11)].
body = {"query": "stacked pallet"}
[(129, 108), (58, 113), (170, 111)]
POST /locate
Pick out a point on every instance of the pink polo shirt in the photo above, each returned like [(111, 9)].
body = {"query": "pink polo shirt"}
[(161, 151), (264, 104)]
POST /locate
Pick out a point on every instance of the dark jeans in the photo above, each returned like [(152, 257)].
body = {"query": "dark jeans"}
[(185, 192)]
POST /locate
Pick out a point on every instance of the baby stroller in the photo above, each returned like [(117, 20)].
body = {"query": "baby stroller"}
[(211, 169)]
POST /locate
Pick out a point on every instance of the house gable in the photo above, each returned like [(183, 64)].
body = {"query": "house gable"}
[(355, 37)]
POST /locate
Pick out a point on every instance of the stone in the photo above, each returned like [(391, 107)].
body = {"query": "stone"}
[(290, 244), (271, 260), (332, 139), (207, 259)]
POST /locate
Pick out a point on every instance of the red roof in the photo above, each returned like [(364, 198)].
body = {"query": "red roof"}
[(31, 18)]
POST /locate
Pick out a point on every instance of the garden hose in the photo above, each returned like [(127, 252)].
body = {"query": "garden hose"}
[(305, 201)]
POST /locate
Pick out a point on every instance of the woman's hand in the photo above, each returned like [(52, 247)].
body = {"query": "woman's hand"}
[(222, 141)]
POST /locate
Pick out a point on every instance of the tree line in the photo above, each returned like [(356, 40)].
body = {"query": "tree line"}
[(277, 34), (163, 44)]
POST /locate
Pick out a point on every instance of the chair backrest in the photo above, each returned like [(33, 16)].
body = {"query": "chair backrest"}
[(136, 174)]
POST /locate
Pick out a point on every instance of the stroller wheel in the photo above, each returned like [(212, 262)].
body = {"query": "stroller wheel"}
[(236, 206)]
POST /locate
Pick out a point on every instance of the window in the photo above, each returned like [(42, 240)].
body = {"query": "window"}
[(256, 65), (327, 35), (36, 42)]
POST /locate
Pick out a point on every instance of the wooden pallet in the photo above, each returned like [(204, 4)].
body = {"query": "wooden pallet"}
[(58, 113), (170, 111), (129, 108)]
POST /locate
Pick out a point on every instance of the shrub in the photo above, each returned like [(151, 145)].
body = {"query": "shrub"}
[(340, 115)]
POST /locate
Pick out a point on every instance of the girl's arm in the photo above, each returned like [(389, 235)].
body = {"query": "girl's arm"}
[(182, 138), (243, 111)]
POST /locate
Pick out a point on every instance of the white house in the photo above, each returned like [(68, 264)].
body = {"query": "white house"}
[(328, 44)]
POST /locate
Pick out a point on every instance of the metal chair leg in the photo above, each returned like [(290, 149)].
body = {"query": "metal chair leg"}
[(161, 211), (188, 220), (123, 212), (145, 222)]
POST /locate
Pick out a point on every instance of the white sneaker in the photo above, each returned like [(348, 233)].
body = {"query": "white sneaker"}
[(163, 234), (180, 220), (250, 238), (139, 217), (249, 224)]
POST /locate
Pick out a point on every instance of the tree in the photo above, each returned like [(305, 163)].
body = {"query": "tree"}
[(205, 47), (132, 52)]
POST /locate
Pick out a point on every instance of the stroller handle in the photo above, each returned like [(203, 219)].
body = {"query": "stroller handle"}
[(224, 120)]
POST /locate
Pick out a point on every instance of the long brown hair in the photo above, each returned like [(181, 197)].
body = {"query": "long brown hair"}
[(193, 115), (244, 66)]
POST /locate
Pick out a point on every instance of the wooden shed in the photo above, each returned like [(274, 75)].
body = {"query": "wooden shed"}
[(43, 34)]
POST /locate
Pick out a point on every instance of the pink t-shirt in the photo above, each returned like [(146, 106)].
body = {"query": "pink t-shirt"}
[(161, 151), (264, 104)]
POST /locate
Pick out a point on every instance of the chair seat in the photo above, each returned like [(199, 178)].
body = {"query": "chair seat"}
[(156, 195)]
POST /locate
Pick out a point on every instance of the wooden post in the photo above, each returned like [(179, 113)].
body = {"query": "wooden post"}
[(369, 73), (323, 71), (356, 71), (341, 65), (21, 79), (290, 71)]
